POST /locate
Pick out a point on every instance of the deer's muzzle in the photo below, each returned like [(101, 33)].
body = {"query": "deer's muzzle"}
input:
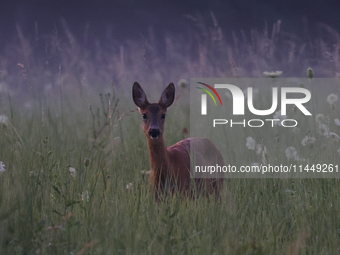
[(154, 133)]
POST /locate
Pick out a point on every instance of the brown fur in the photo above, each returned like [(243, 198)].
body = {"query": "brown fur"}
[(170, 167)]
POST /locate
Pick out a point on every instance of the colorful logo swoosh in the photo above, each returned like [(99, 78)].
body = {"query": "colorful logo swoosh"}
[(213, 90)]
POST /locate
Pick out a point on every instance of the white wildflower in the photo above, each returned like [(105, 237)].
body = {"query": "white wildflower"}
[(334, 136), (85, 195), (308, 140), (290, 191), (323, 129), (73, 172), (250, 143), (337, 122), (291, 153), (144, 172), (3, 119), (258, 149), (332, 98), (129, 186), (319, 118), (272, 74), (280, 117), (2, 167)]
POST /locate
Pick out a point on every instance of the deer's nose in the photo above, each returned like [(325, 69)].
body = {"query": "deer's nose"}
[(154, 133)]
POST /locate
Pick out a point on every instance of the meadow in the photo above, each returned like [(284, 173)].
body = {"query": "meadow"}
[(74, 157)]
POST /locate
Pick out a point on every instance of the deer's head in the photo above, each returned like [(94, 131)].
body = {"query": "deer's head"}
[(153, 113)]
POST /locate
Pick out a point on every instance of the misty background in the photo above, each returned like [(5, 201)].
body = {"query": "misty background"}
[(87, 44), (129, 19)]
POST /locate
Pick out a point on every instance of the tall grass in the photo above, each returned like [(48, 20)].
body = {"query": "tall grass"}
[(58, 120)]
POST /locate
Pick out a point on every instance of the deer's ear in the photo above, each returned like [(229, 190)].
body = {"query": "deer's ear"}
[(168, 96), (139, 96)]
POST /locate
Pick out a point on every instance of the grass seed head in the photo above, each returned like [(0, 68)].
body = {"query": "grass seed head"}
[(310, 73)]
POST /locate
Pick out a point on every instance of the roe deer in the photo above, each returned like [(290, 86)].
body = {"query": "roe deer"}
[(170, 167)]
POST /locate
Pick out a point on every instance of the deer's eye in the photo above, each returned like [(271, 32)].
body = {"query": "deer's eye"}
[(163, 116), (145, 116)]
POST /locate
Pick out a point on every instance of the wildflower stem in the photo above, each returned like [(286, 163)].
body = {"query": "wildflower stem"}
[(312, 102), (16, 132), (61, 100)]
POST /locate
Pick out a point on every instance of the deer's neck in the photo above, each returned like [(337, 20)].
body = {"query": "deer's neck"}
[(158, 153), (159, 159)]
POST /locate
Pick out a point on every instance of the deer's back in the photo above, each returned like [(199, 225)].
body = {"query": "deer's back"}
[(201, 152)]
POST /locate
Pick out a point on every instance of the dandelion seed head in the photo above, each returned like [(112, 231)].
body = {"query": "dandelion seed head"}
[(319, 118), (332, 98)]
